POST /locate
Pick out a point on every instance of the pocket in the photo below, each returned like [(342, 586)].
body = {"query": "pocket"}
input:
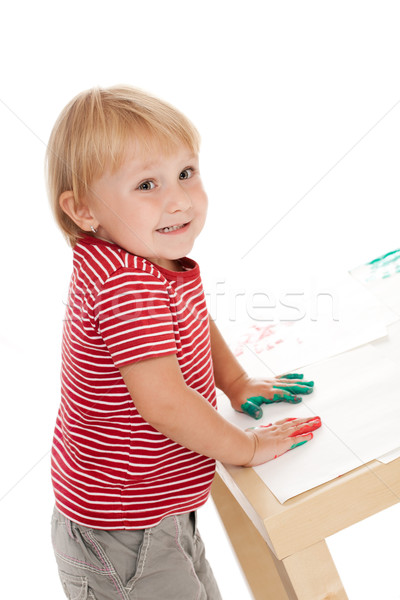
[(121, 551), (193, 519), (75, 587), (71, 550)]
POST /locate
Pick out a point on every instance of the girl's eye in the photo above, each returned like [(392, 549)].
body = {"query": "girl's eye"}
[(146, 186), (186, 174)]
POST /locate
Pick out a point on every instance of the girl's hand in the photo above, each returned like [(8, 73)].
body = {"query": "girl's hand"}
[(271, 441), (247, 394)]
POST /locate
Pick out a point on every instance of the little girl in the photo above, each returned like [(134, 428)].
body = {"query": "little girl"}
[(138, 431)]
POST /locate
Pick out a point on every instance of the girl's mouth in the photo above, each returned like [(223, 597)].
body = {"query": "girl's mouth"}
[(172, 228)]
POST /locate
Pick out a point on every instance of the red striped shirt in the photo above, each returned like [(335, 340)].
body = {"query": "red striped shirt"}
[(110, 468)]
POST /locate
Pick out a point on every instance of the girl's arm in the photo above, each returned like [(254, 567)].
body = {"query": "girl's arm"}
[(231, 378), (165, 401), (228, 372)]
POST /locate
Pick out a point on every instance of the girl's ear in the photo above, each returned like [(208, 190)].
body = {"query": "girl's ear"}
[(78, 212)]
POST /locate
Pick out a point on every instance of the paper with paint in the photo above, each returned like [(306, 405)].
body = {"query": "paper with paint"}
[(357, 396), (347, 316), (383, 267), (382, 277)]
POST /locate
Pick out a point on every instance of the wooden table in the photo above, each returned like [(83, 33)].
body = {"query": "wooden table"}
[(282, 547)]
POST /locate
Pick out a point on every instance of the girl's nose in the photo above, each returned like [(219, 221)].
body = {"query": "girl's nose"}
[(178, 199)]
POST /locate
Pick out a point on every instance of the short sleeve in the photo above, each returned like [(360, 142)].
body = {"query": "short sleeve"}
[(134, 318)]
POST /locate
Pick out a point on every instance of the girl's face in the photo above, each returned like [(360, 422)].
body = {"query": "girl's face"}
[(153, 207)]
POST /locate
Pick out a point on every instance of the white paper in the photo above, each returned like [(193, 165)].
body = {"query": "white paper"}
[(357, 397), (382, 278), (387, 291), (383, 267), (387, 458), (348, 316)]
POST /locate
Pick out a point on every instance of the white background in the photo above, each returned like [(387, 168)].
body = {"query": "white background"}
[(298, 104)]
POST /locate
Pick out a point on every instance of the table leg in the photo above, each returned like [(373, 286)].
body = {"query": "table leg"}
[(313, 574), (253, 553), (306, 575)]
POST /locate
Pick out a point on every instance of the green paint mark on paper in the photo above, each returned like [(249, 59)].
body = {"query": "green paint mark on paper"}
[(383, 267)]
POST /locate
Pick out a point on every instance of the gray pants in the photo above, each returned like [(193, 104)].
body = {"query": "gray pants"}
[(165, 562)]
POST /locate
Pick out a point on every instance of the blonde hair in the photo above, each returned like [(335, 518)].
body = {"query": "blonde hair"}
[(92, 134)]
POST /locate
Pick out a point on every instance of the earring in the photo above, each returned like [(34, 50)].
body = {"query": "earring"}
[(93, 229)]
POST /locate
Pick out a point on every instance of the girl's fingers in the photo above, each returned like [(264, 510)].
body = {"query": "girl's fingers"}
[(259, 427), (251, 408), (285, 396), (280, 396), (306, 427), (285, 421), (294, 379), (288, 422), (276, 439), (291, 376), (302, 388), (309, 383), (300, 425), (299, 440)]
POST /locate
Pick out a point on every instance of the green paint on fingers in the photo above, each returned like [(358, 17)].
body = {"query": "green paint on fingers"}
[(259, 400), (287, 398), (295, 389), (298, 444), (292, 376), (252, 409)]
